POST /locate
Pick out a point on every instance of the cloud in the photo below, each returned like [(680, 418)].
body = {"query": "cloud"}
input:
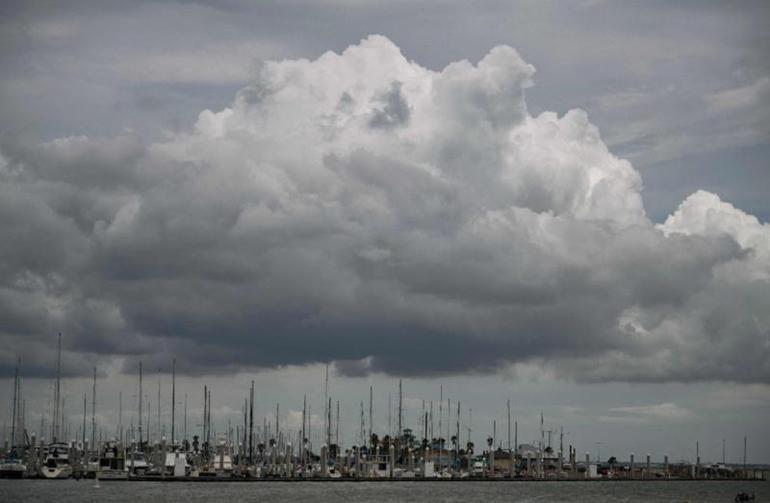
[(646, 413), (216, 64), (363, 209)]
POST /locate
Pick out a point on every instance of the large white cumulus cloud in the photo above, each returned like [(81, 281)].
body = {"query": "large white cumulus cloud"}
[(363, 209)]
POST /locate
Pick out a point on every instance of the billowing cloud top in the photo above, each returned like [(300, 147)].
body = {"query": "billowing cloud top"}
[(362, 209)]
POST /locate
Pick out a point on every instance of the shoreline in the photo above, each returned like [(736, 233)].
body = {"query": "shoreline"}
[(384, 480)]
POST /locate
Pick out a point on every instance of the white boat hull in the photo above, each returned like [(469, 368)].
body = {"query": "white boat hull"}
[(56, 472)]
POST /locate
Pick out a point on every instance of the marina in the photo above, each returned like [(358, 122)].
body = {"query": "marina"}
[(428, 448)]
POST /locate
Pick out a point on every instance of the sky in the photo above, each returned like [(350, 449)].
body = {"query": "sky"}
[(559, 204)]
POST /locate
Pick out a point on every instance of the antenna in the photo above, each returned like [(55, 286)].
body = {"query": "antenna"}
[(723, 451)]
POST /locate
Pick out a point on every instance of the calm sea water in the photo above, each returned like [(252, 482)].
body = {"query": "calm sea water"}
[(66, 491)]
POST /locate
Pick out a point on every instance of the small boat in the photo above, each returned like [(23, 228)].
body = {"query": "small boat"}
[(56, 464), (112, 463), (137, 463)]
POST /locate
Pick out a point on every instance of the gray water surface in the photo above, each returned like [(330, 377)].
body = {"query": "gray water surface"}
[(66, 491)]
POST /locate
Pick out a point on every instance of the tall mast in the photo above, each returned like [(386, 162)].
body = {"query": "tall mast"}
[(516, 435), (326, 405), (329, 423), (337, 424), (448, 418), (440, 409), (93, 416), (15, 398), (400, 408), (304, 432), (160, 430), (509, 425), (251, 423), (205, 408), (185, 416), (57, 394), (430, 435), (390, 413), (371, 410), (457, 444), (363, 441), (173, 400), (85, 412), (277, 414), (120, 416), (140, 405), (542, 433)]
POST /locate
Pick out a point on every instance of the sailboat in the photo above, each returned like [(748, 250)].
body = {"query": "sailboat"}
[(12, 466)]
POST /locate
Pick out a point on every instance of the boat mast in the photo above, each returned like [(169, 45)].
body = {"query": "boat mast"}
[(251, 424), (371, 410), (57, 394), (509, 425), (185, 416), (140, 405), (120, 416), (400, 409), (327, 406), (15, 398), (160, 429), (440, 411), (173, 400), (93, 416), (302, 441), (85, 413)]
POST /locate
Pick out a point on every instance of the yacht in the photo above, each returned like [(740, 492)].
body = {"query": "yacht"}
[(12, 468), (56, 464)]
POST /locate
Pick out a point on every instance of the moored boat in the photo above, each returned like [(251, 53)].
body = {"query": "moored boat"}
[(12, 468), (56, 464)]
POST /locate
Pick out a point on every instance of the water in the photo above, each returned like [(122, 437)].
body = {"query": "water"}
[(66, 491)]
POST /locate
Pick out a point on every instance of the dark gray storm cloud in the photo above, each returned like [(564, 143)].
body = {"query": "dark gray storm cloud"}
[(363, 209)]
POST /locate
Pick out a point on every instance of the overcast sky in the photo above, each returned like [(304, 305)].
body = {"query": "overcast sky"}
[(562, 204)]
